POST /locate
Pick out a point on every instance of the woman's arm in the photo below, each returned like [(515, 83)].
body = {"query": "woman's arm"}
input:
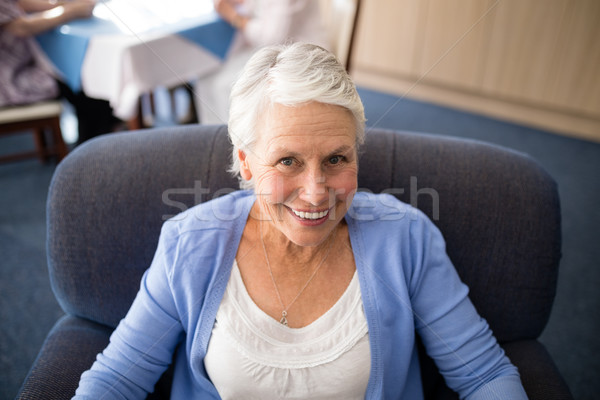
[(455, 336), (142, 346), (43, 19), (31, 6)]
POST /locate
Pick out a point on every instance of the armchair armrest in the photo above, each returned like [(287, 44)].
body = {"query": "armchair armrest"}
[(539, 375), (69, 349)]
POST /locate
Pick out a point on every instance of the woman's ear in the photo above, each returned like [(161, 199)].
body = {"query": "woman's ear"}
[(245, 172)]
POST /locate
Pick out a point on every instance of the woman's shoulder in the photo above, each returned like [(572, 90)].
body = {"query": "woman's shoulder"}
[(383, 216), (382, 207), (222, 212)]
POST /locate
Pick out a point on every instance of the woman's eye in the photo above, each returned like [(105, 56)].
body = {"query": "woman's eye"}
[(288, 162), (336, 159)]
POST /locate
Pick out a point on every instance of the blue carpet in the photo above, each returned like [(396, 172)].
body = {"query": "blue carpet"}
[(28, 308)]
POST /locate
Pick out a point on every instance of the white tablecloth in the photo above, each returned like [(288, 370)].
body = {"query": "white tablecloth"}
[(145, 51), (121, 70)]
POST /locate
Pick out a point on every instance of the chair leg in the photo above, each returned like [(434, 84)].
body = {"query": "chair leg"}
[(40, 143), (195, 118), (59, 143), (137, 122), (172, 101), (151, 99)]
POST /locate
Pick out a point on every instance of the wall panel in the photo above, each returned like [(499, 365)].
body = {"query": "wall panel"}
[(453, 42), (532, 61)]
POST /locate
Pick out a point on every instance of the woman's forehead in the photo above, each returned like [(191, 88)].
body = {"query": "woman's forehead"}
[(306, 120), (296, 148)]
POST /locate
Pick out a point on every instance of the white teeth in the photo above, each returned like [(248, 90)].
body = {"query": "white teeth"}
[(309, 215)]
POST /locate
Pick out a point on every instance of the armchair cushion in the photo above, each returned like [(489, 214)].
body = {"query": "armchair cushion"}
[(69, 349)]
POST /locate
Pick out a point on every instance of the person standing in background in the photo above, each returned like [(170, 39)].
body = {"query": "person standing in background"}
[(26, 76), (259, 23)]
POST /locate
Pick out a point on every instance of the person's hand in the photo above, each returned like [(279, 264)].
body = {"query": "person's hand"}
[(79, 8), (227, 10)]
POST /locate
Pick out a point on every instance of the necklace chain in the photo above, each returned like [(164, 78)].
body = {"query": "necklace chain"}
[(284, 313)]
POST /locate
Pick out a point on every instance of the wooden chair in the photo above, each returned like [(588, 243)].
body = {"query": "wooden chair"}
[(35, 118)]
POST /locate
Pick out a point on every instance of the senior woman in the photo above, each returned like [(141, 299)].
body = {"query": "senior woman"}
[(299, 287)]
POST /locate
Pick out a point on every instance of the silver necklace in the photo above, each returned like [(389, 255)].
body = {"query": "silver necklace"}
[(285, 309)]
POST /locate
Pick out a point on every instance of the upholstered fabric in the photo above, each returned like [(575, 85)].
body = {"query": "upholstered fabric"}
[(498, 211), (106, 203)]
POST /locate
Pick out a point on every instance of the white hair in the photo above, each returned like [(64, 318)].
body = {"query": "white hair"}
[(289, 75)]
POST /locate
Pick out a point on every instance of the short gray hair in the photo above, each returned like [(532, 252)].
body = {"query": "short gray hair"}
[(289, 75)]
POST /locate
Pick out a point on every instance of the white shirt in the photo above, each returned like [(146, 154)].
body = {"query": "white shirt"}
[(252, 356)]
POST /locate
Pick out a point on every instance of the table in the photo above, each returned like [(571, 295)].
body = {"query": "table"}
[(130, 47)]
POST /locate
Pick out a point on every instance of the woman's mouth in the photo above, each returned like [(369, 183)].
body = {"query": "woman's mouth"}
[(310, 215)]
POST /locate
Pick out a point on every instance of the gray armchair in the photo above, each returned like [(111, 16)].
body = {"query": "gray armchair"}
[(498, 210)]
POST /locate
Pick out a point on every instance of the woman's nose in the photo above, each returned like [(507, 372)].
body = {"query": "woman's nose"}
[(314, 187)]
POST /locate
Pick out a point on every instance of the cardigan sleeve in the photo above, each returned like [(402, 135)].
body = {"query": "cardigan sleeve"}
[(455, 336), (142, 346)]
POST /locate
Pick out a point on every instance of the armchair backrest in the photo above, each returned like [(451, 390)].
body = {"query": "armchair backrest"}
[(497, 209)]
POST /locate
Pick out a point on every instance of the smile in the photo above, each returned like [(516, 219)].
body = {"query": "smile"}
[(311, 215)]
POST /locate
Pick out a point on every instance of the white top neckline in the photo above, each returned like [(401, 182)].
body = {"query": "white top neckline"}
[(263, 339), (252, 356)]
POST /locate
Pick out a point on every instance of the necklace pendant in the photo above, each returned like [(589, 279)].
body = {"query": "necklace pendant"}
[(283, 319)]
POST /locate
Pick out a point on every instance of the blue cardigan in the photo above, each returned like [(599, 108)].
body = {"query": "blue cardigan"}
[(408, 286)]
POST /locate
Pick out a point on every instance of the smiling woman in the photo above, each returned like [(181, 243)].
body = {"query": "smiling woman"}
[(304, 169), (302, 295)]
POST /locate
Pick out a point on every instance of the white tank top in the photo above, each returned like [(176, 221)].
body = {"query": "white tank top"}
[(252, 356)]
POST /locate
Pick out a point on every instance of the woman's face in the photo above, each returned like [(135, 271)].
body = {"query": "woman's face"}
[(304, 165)]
